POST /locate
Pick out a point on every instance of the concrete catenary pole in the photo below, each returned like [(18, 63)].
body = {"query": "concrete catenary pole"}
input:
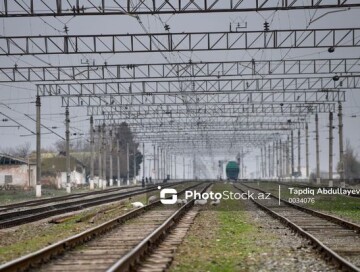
[(158, 162), (265, 162), (100, 172), (118, 162), (317, 149), (261, 163), (67, 148), (127, 165), (183, 167), (134, 162), (269, 154), (38, 147), (341, 147), (143, 148), (299, 152), (174, 166), (307, 150), (104, 156), (292, 153), (91, 181), (155, 171), (287, 157), (281, 159), (276, 154), (331, 139), (111, 181)]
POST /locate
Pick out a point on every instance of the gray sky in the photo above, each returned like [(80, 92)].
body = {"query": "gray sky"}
[(18, 99)]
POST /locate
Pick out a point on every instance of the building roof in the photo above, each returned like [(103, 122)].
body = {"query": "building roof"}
[(10, 160)]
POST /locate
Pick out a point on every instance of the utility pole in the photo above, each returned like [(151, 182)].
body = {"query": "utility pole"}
[(287, 157), (307, 149), (134, 161), (161, 164), (174, 166), (183, 167), (38, 147), (118, 162), (299, 152), (111, 181), (155, 172), (143, 160), (292, 153), (281, 159), (261, 163), (100, 172), (331, 139), (91, 153), (341, 146), (127, 165), (276, 153), (265, 162), (269, 154), (104, 157), (317, 149), (194, 166), (67, 148), (158, 163)]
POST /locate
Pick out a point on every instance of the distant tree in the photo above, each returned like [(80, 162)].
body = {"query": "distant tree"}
[(60, 146), (22, 151), (351, 163), (124, 135)]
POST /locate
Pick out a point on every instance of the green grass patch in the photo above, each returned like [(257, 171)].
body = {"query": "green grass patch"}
[(338, 205), (220, 240)]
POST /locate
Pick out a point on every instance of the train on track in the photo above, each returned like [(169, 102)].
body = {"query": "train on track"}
[(232, 170)]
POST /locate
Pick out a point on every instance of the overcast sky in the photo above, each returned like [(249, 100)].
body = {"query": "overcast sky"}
[(18, 99)]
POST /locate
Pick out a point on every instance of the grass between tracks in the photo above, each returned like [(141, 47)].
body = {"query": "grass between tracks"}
[(28, 238), (19, 195), (338, 205), (220, 239)]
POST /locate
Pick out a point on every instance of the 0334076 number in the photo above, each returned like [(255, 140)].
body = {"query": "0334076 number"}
[(303, 200)]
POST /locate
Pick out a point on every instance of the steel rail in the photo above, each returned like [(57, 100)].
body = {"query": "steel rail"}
[(345, 264), (16, 218), (60, 198), (131, 259), (45, 254)]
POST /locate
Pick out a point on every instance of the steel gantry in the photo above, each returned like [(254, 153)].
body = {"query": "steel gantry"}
[(220, 109), (24, 8), (189, 41), (183, 87), (181, 70), (238, 98)]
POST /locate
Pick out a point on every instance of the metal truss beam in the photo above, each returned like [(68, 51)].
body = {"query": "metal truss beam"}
[(196, 126), (192, 41), (204, 109), (180, 70), (239, 98), (26, 8), (215, 139), (149, 89), (142, 116)]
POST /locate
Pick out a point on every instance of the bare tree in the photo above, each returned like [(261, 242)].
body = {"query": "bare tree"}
[(351, 163), (21, 151)]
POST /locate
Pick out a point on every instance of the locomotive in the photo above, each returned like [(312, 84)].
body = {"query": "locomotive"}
[(232, 170)]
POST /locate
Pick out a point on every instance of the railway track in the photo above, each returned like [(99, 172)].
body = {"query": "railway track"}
[(117, 245), (38, 202), (296, 184), (19, 217), (337, 239)]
